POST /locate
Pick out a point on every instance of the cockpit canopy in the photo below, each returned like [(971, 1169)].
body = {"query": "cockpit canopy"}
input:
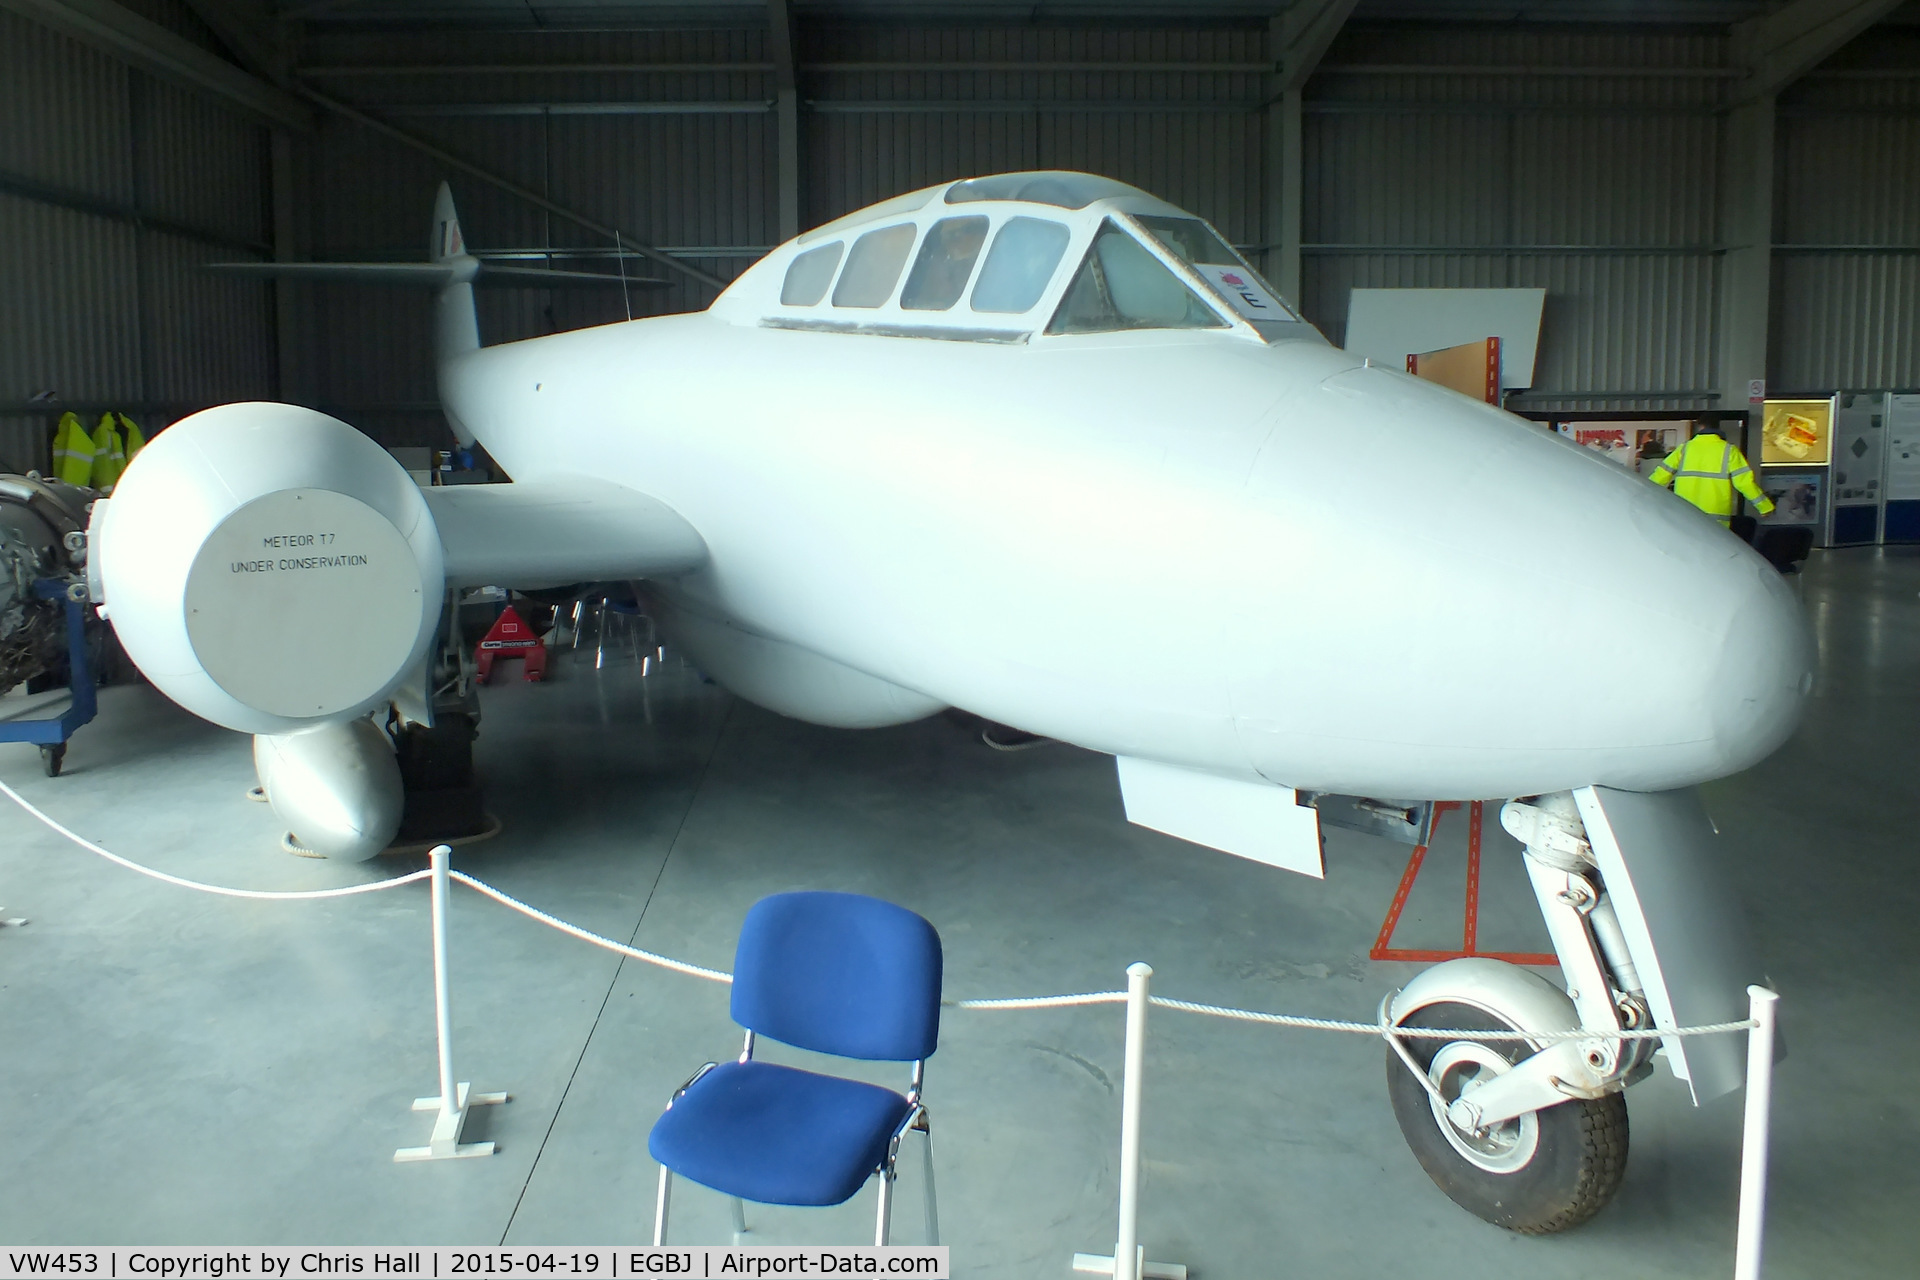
[(1008, 257)]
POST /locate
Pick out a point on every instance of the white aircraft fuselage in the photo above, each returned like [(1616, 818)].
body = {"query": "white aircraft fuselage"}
[(1193, 546), (1044, 448)]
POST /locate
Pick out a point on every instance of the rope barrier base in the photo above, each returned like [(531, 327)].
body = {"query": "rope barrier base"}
[(1094, 1264), (445, 1143)]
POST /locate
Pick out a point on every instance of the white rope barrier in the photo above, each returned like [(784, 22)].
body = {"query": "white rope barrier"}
[(1040, 1002), (534, 913), (1128, 1261), (1448, 1033), (269, 895)]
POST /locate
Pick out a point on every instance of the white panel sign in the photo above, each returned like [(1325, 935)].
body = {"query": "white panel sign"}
[(1903, 448), (1388, 325), (303, 603)]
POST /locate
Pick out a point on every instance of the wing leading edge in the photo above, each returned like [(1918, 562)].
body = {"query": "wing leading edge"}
[(555, 532)]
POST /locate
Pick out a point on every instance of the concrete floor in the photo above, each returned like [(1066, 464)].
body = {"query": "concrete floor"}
[(178, 1068)]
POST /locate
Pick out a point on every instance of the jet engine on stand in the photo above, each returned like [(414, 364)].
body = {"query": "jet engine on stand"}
[(42, 538)]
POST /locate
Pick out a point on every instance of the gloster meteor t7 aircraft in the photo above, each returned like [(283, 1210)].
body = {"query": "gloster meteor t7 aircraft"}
[(946, 452)]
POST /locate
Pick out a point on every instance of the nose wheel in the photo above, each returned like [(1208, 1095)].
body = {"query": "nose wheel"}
[(1541, 1172)]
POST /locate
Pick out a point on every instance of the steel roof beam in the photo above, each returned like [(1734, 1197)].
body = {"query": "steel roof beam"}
[(152, 48), (1779, 48), (1296, 41), (1301, 37), (250, 34), (786, 106)]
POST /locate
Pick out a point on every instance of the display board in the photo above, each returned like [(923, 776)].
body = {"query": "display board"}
[(1799, 496), (1859, 460), (1388, 325), (1637, 445), (1902, 523), (1653, 441), (1796, 433)]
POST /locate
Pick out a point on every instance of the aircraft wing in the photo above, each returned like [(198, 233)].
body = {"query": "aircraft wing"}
[(555, 532)]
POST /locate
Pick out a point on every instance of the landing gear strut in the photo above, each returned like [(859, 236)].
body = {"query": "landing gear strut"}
[(1529, 1134)]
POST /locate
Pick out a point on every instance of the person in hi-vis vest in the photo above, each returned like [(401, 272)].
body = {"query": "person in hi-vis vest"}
[(1706, 470)]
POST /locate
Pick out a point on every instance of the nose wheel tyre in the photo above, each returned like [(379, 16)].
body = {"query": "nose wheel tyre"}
[(1542, 1172)]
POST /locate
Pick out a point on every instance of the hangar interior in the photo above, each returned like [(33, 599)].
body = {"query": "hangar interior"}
[(1710, 192)]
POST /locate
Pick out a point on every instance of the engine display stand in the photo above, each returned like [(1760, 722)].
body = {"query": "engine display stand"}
[(50, 733)]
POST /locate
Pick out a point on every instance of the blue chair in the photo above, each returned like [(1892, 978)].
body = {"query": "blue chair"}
[(835, 973)]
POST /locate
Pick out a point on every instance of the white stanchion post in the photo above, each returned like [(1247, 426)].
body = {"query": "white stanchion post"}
[(1755, 1134), (454, 1099), (1129, 1256)]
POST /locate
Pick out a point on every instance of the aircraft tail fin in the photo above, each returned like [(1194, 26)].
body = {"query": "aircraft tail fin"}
[(455, 329)]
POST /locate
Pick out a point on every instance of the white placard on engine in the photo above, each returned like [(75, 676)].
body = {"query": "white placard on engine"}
[(303, 602)]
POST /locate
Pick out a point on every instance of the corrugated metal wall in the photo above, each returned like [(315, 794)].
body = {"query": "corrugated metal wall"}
[(1846, 277), (683, 158), (889, 110), (1580, 162), (114, 188)]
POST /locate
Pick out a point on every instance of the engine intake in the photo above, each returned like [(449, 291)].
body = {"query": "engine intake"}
[(269, 567)]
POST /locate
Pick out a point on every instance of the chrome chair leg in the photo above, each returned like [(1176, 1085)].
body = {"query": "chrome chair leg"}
[(660, 1206), (883, 1224), (739, 1219), (933, 1202)]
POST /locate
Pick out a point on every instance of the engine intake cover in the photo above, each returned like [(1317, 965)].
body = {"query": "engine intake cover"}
[(269, 567)]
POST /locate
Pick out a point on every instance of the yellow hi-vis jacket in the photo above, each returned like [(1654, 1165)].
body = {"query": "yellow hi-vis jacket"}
[(1705, 471), (135, 441), (73, 451), (109, 454)]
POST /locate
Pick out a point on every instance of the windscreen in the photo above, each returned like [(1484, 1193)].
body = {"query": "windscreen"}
[(1122, 286), (1197, 245)]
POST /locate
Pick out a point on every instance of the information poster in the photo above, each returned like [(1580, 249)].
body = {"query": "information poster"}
[(1859, 449), (1614, 441), (1796, 433), (1796, 496), (1903, 447), (1652, 442)]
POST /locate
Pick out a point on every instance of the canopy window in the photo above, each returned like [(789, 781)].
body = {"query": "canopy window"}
[(1019, 266), (945, 264), (873, 267)]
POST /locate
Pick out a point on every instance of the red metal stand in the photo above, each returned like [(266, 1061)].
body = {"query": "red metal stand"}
[(1383, 948), (509, 637)]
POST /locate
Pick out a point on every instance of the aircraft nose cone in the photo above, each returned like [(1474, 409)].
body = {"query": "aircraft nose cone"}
[(1561, 623), (1742, 654), (1757, 688)]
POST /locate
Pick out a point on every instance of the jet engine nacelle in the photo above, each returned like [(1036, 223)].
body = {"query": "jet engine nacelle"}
[(269, 568)]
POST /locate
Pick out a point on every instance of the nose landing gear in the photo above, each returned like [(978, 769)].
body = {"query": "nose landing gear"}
[(1529, 1134), (1536, 1173)]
